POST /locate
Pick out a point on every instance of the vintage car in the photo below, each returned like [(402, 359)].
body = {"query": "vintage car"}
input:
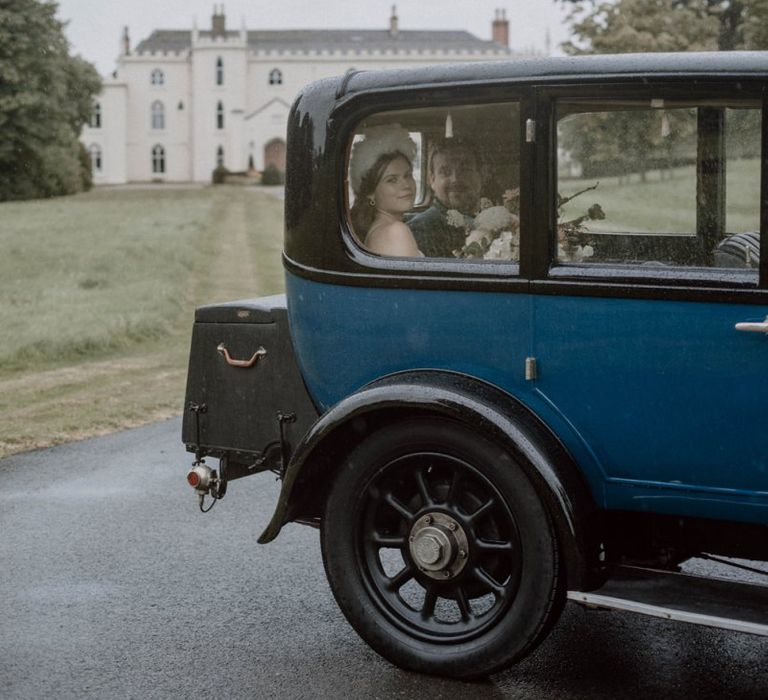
[(554, 391)]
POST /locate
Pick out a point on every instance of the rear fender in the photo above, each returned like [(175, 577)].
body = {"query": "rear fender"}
[(482, 407)]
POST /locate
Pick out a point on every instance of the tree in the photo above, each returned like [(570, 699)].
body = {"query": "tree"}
[(46, 96), (734, 24), (755, 25), (641, 26)]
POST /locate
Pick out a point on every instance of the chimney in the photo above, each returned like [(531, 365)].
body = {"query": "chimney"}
[(393, 22), (126, 42), (218, 22), (500, 28)]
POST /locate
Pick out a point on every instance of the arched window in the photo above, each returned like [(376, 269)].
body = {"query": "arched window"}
[(275, 77), (158, 159), (219, 116), (95, 121), (158, 115), (219, 71), (220, 156), (95, 152), (157, 77)]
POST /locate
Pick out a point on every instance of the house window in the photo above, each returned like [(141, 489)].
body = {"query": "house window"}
[(276, 77), (158, 115), (220, 157), (219, 71), (157, 77), (95, 152), (219, 116), (158, 159), (95, 121)]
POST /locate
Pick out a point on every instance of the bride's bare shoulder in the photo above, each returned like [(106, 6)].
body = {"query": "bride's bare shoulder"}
[(394, 238)]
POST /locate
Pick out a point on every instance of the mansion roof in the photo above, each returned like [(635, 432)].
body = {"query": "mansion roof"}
[(349, 40)]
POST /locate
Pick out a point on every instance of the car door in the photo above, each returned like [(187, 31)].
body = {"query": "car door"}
[(649, 316)]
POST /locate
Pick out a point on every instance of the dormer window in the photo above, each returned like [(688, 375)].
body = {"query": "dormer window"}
[(276, 77), (219, 71), (95, 120), (157, 77)]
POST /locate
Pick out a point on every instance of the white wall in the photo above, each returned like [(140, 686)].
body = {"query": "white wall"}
[(255, 112), (110, 137)]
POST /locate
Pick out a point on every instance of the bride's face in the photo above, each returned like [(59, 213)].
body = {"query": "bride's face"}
[(396, 191)]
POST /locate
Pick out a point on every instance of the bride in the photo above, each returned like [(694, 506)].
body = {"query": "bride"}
[(381, 175)]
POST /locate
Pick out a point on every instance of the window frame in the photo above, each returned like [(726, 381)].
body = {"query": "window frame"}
[(505, 271), (636, 279), (157, 77), (95, 119), (158, 159), (219, 115), (276, 76), (219, 71), (157, 115), (96, 153)]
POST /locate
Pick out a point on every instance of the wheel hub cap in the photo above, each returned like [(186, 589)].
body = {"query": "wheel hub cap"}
[(438, 546)]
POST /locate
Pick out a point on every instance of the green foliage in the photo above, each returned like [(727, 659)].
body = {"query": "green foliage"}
[(641, 26), (755, 25), (272, 175), (46, 96), (623, 26), (86, 168)]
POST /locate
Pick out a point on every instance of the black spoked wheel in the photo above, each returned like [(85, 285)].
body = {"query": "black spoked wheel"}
[(439, 551)]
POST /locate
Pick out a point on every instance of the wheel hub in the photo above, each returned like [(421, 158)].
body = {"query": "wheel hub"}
[(438, 545)]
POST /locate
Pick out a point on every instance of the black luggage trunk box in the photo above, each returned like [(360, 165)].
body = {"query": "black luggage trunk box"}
[(237, 411)]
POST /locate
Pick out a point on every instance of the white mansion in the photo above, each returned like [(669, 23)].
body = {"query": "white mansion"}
[(185, 101)]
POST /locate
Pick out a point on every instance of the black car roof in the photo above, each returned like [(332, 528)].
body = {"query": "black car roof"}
[(570, 68)]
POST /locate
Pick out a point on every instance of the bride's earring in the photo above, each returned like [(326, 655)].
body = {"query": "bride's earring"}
[(371, 202)]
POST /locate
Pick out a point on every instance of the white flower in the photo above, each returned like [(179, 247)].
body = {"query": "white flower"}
[(574, 253), (485, 203), (504, 247), (455, 219), (494, 219)]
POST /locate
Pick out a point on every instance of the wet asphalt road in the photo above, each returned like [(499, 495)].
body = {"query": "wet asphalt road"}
[(112, 584)]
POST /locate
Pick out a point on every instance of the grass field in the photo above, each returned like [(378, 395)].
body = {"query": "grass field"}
[(97, 294), (665, 203)]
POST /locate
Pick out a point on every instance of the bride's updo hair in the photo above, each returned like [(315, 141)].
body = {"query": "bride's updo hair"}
[(371, 155)]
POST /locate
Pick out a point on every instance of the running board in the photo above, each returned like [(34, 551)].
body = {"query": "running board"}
[(713, 602)]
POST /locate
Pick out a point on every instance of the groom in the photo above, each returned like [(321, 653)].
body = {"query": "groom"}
[(454, 178)]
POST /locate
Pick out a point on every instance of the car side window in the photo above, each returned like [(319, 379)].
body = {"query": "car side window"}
[(659, 182), (437, 183)]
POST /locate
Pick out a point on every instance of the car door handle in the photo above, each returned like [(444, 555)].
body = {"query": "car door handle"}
[(753, 327)]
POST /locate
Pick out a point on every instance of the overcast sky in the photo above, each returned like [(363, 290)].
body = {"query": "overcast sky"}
[(95, 26)]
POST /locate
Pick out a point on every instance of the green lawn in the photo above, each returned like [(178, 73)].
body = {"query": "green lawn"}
[(665, 202), (97, 295)]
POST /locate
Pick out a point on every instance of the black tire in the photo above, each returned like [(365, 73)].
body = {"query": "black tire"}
[(439, 551)]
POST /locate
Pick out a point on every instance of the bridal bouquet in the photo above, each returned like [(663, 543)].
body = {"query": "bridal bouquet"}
[(495, 231)]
